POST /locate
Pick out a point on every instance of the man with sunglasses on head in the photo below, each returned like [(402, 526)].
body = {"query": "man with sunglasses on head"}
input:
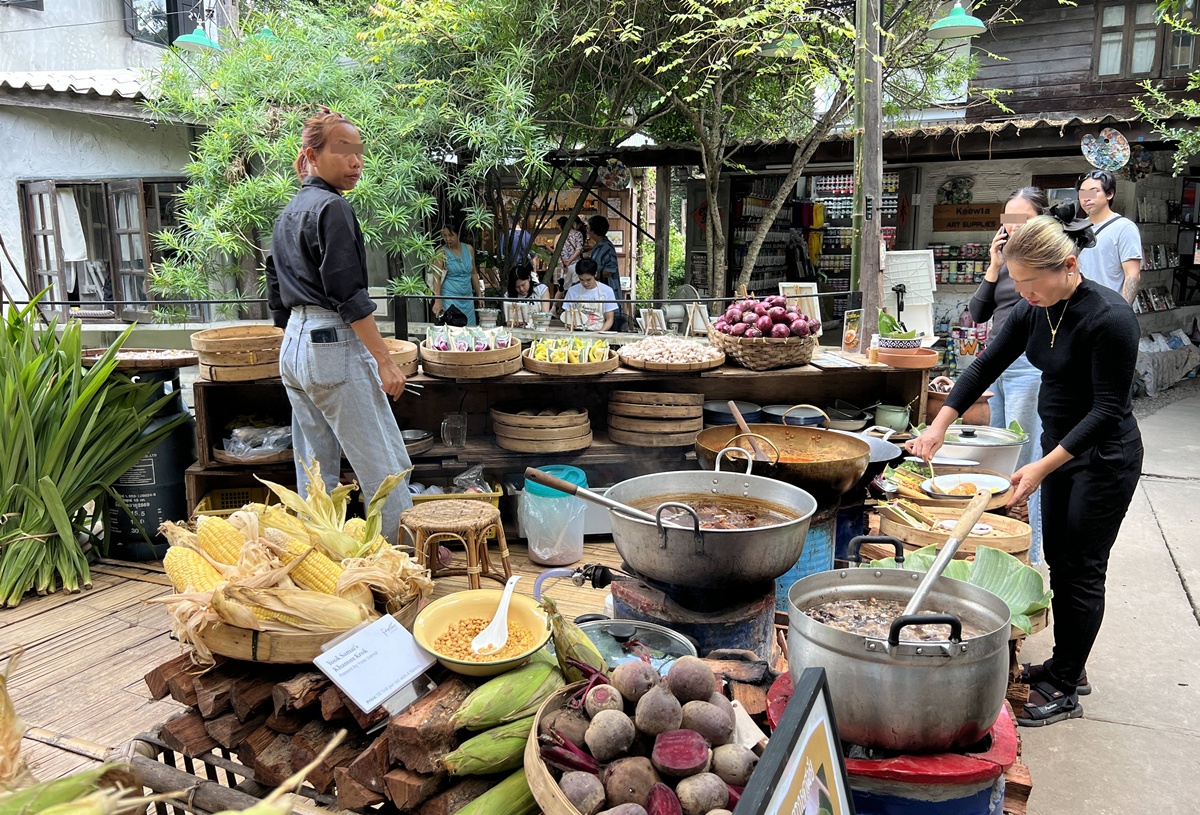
[(1116, 259)]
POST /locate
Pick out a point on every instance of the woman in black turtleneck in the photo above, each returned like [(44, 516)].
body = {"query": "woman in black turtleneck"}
[(1083, 337)]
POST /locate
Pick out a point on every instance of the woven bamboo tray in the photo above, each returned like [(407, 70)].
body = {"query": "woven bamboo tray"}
[(545, 445), (1014, 540), (142, 359), (239, 373), (541, 782), (510, 416), (489, 370), (651, 439), (655, 425), (616, 408), (282, 457), (280, 647), (571, 368), (470, 358), (238, 339), (404, 354), (765, 353), (651, 398), (678, 367)]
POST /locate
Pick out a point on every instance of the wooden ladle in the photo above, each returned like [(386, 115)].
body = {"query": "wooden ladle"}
[(759, 455)]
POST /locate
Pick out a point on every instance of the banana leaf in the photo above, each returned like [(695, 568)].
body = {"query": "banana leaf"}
[(1018, 585)]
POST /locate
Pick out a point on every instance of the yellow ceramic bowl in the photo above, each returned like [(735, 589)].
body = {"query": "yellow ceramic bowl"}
[(438, 616)]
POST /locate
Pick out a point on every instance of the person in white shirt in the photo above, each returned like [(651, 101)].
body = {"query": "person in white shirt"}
[(1116, 259), (589, 304)]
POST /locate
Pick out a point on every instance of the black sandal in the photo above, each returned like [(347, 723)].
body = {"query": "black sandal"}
[(1047, 705), (1031, 674)]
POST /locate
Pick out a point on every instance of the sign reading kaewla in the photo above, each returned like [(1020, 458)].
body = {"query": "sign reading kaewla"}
[(966, 217)]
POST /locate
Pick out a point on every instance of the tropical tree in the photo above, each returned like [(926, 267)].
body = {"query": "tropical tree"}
[(250, 101), (1165, 109)]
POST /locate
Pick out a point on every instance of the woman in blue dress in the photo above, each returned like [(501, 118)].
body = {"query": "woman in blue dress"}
[(459, 278)]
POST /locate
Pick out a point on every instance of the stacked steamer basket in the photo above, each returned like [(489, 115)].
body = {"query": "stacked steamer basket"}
[(655, 419), (404, 354), (545, 430), (238, 353), (471, 364)]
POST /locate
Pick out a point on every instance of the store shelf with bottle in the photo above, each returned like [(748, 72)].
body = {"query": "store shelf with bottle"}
[(752, 197)]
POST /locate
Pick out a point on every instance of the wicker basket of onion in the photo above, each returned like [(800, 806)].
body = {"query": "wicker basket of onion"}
[(765, 334)]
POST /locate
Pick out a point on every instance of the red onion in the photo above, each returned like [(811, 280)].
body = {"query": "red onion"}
[(752, 333), (738, 329), (761, 309), (722, 326), (780, 331), (748, 304), (777, 314), (814, 325), (749, 317), (732, 314), (764, 324), (800, 328)]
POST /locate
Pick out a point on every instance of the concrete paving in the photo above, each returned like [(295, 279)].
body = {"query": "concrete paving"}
[(1137, 747)]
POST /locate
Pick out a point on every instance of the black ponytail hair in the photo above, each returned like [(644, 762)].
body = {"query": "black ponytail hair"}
[(1075, 223)]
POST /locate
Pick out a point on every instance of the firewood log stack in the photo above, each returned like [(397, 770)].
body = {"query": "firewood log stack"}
[(276, 719)]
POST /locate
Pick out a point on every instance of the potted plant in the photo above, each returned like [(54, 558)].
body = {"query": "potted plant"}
[(412, 285)]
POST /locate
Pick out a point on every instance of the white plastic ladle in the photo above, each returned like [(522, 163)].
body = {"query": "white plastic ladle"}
[(495, 636)]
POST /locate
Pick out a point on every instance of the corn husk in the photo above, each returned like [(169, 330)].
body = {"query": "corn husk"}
[(570, 641), (312, 611), (104, 802), (511, 796), (511, 696), (47, 794), (392, 574), (499, 750), (14, 772)]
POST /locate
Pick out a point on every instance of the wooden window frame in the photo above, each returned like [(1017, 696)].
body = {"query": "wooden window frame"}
[(1168, 34), (1127, 30), (32, 234), (178, 13)]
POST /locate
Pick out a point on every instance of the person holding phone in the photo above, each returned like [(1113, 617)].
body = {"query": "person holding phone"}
[(334, 363), (1016, 391)]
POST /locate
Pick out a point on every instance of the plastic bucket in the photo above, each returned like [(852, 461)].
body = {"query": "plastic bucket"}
[(553, 520)]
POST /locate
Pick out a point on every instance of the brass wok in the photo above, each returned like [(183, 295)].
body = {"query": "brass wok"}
[(840, 460)]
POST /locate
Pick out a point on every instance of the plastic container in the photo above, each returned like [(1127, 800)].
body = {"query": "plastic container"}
[(553, 520)]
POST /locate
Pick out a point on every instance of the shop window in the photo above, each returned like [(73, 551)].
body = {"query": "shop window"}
[(1128, 39), (161, 21), (1183, 49), (90, 242)]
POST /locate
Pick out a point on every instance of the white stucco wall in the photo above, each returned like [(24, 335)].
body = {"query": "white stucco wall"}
[(86, 34), (58, 145)]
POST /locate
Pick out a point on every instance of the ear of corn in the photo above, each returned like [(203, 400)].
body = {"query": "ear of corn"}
[(315, 571), (189, 571), (510, 696), (511, 796), (498, 750), (287, 609), (571, 643), (220, 539)]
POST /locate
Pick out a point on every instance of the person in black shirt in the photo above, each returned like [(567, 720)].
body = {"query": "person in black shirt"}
[(1083, 337), (334, 363)]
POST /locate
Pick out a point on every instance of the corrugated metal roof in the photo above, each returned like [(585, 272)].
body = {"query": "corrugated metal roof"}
[(114, 83)]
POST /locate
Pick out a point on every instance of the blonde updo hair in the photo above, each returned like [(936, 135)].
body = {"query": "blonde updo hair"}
[(1042, 244)]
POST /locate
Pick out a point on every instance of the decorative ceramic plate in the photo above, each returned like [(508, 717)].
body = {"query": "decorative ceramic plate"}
[(1141, 163), (615, 175), (956, 190), (1109, 151)]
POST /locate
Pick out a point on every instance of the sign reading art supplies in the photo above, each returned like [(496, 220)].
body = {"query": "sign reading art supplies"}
[(374, 662), (967, 217)]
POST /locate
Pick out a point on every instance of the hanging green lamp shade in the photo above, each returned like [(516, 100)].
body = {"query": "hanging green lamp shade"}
[(196, 41), (956, 25), (786, 47), (265, 35)]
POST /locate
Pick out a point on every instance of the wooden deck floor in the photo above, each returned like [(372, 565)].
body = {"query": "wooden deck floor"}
[(86, 654)]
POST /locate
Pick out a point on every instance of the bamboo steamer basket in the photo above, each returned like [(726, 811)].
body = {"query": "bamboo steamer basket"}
[(651, 398), (237, 338), (284, 648), (679, 367), (540, 433), (487, 370), (565, 417), (404, 354), (240, 353), (634, 411), (545, 445), (239, 373), (142, 359), (571, 368), (541, 782), (1015, 539), (260, 356), (655, 425), (655, 439), (466, 359)]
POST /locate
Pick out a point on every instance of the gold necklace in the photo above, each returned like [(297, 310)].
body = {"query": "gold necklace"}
[(1054, 328)]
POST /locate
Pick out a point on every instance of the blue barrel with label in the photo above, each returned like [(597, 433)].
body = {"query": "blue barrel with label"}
[(153, 488)]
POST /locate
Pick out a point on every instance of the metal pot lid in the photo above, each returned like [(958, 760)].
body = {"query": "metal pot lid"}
[(612, 636), (799, 416), (982, 436), (415, 435)]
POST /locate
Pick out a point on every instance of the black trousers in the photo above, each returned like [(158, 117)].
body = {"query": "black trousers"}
[(1083, 504)]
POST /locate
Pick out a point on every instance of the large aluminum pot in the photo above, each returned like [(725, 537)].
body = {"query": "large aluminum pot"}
[(710, 558), (913, 697), (995, 448), (840, 459)]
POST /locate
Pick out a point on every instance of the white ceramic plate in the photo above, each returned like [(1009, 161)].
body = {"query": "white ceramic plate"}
[(994, 483)]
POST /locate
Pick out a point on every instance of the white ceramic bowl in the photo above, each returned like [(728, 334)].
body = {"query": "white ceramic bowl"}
[(945, 483)]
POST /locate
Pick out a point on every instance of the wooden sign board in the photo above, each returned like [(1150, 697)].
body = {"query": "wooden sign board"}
[(966, 217)]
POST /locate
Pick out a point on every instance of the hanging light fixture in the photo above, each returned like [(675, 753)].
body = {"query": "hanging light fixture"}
[(956, 25), (265, 35), (785, 47), (196, 41)]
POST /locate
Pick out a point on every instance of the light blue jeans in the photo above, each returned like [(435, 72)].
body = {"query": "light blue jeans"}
[(1016, 398), (338, 404)]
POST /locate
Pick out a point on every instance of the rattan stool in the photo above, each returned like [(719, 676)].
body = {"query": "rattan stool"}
[(466, 522)]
